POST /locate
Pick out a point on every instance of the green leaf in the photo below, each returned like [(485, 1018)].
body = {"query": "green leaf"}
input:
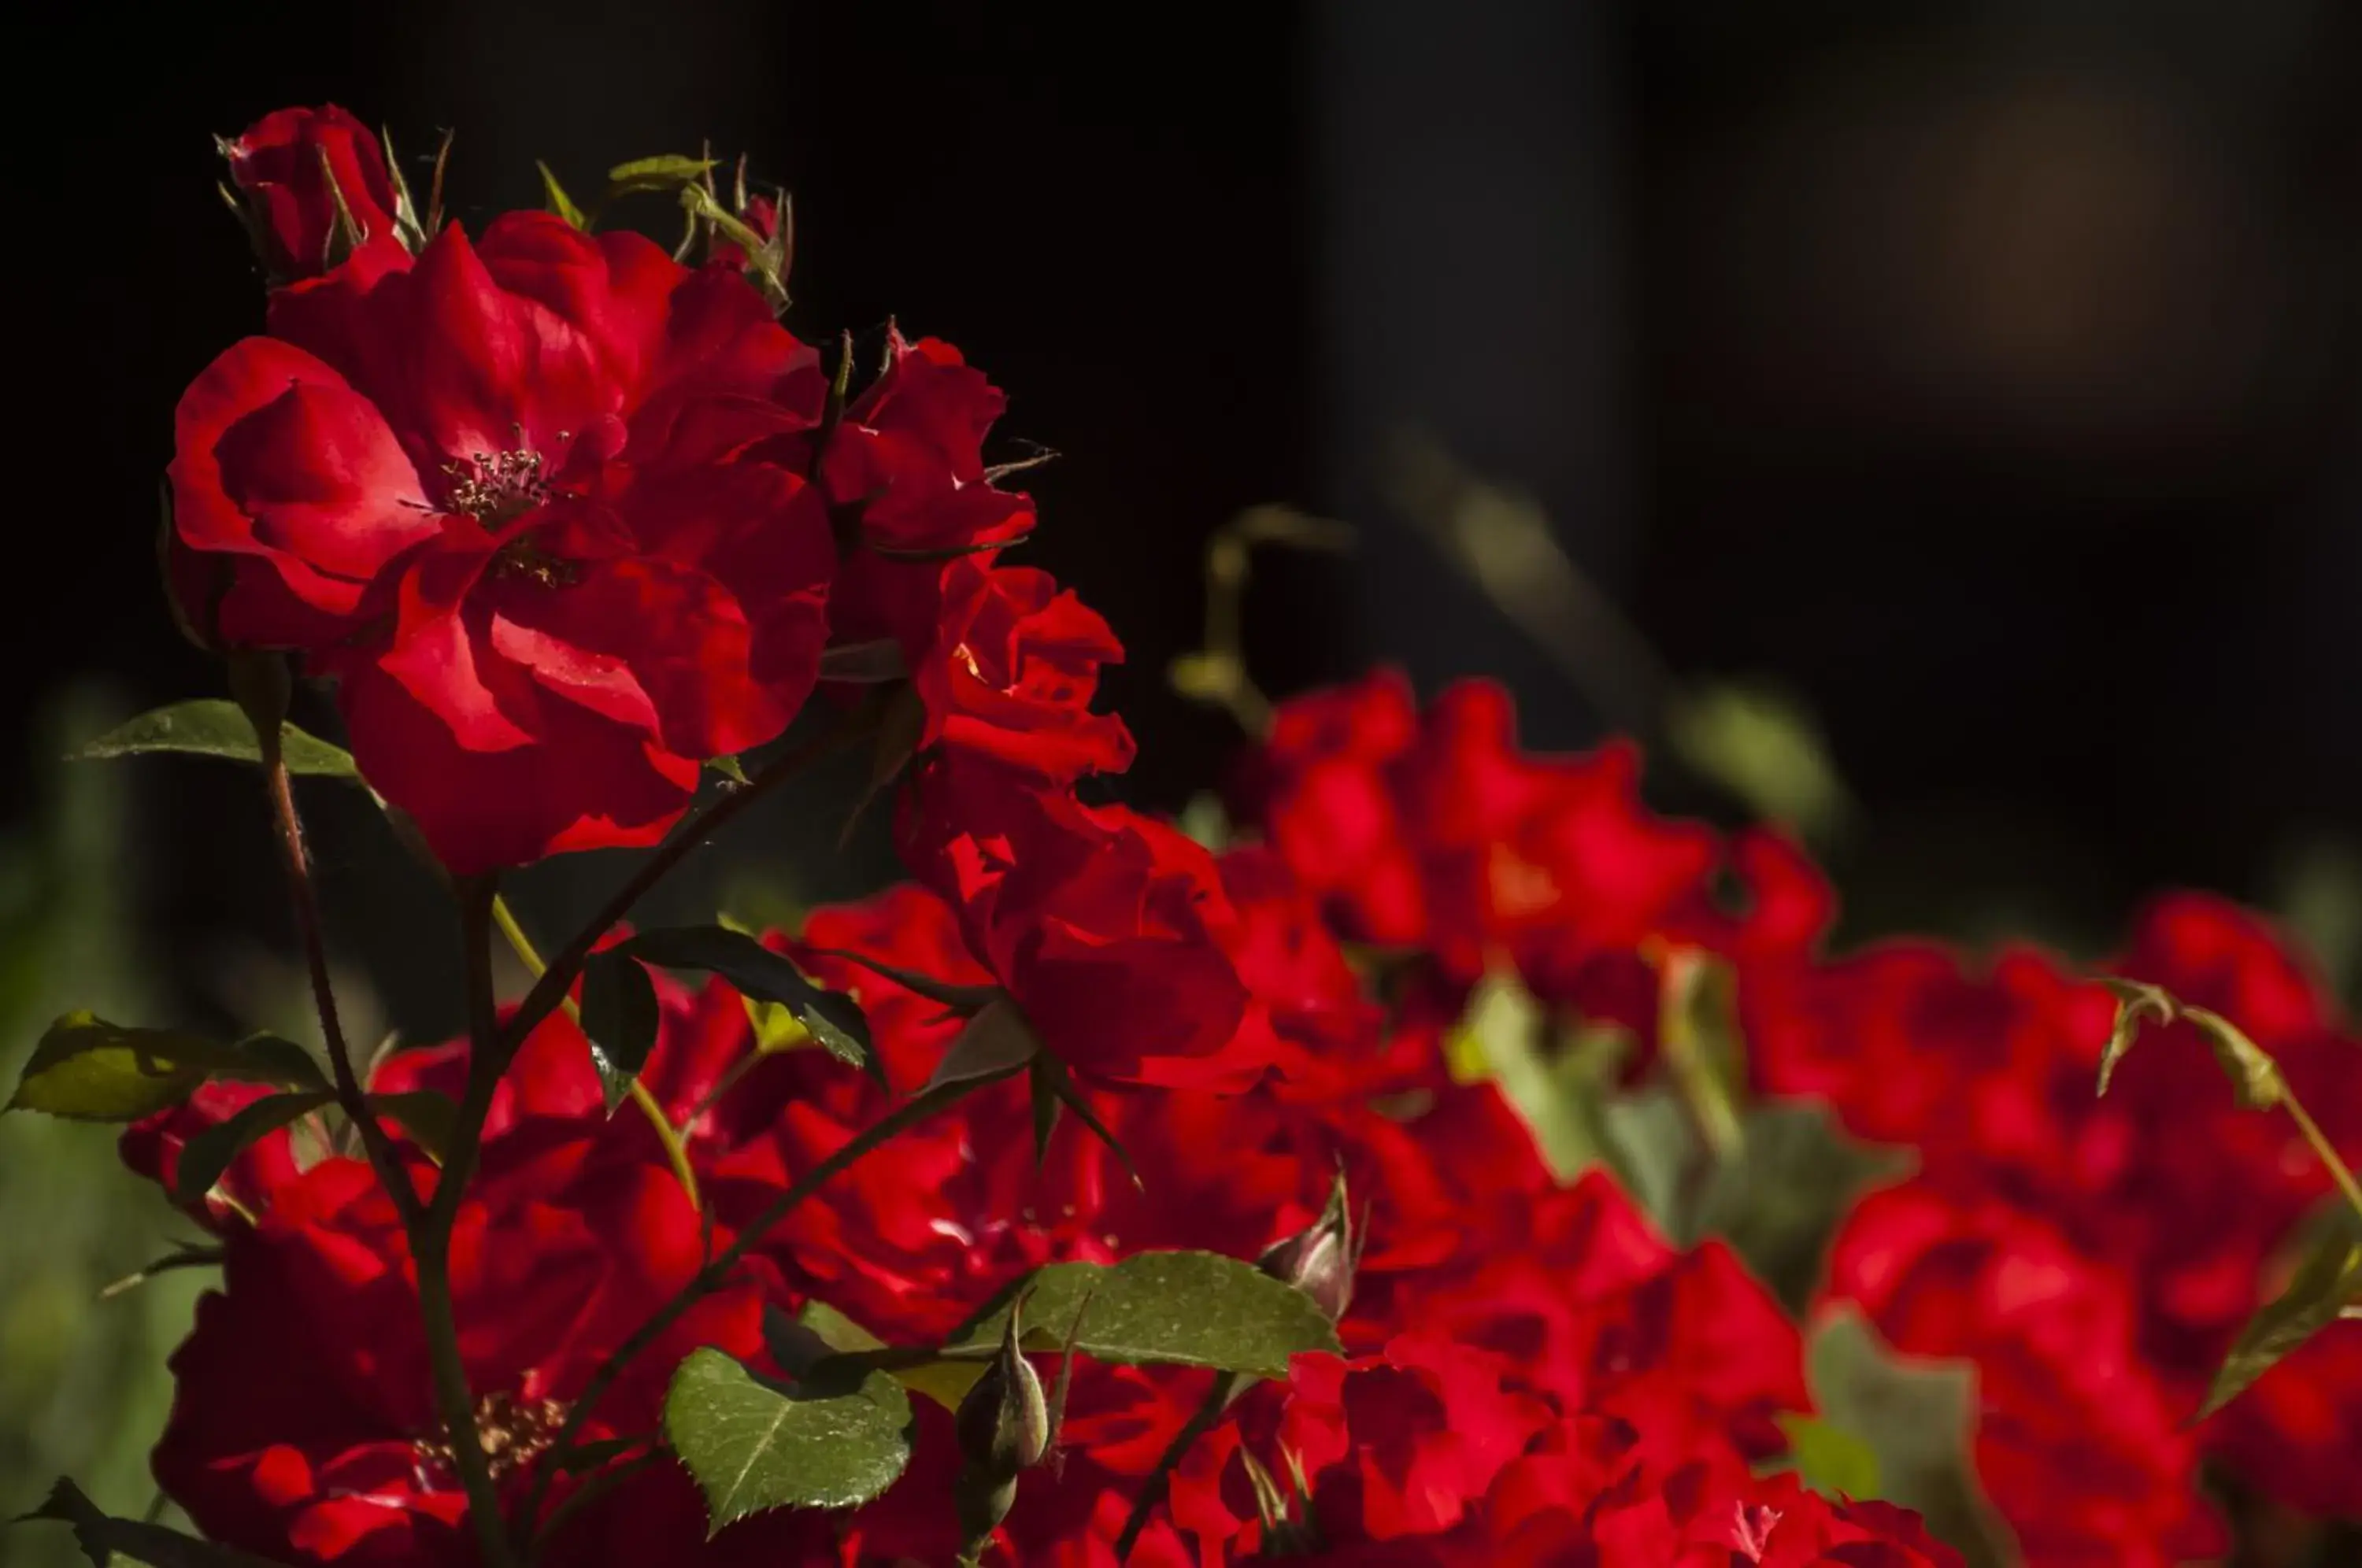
[(1917, 1418), (556, 199), (1763, 747), (944, 1382), (668, 172), (2326, 1283), (282, 1061), (90, 1070), (834, 1019), (1647, 1140), (1178, 1309), (1829, 1460), (619, 1019), (1780, 1199), (959, 999), (2253, 1073), (998, 1039), (1204, 819), (104, 1537), (214, 726), (429, 1116), (208, 1154), (1501, 1037), (837, 1438)]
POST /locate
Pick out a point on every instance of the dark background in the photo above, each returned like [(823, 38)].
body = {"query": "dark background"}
[(1985, 375)]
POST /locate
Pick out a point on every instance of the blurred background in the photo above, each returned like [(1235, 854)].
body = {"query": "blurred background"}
[(1936, 424)]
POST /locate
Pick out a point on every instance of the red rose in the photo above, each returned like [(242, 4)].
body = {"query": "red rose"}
[(302, 1426), (285, 164), (1436, 831), (910, 455), (1406, 1440), (2077, 1442), (1101, 925), (1550, 859), (503, 497), (1306, 1012), (1320, 787), (1594, 1493), (1011, 671)]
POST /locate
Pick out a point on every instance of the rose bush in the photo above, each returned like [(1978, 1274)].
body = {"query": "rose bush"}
[(1455, 1163)]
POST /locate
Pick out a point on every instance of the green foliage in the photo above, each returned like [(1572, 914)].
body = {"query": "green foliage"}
[(90, 1070), (1179, 1309), (207, 1154), (2251, 1070), (619, 1019), (556, 199), (838, 1436), (1775, 1187), (103, 1538), (217, 727), (1916, 1418), (1779, 1201), (82, 1385), (668, 172), (2327, 1282), (1831, 1461), (618, 1005)]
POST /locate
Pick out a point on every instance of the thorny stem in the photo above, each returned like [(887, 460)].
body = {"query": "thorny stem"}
[(716, 1274), (559, 979), (431, 1240), (669, 1136), (306, 899)]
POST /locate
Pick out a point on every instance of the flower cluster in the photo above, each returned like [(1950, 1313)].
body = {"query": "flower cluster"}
[(1229, 1146)]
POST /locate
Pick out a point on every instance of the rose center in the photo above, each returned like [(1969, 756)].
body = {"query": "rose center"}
[(513, 1433), (494, 487)]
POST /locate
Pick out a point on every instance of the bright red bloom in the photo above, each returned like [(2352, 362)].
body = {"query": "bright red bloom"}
[(1104, 927), (283, 164), (1320, 788), (2077, 1442), (1436, 831), (1406, 1440), (304, 1426), (508, 497), (1011, 669), (910, 455)]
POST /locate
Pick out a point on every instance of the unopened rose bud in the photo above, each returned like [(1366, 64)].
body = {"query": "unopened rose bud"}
[(1004, 1429), (313, 186), (1004, 1422), (1320, 1260)]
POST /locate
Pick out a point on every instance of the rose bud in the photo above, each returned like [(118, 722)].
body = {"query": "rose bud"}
[(1004, 1422), (1320, 1260), (1005, 1428), (315, 188)]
